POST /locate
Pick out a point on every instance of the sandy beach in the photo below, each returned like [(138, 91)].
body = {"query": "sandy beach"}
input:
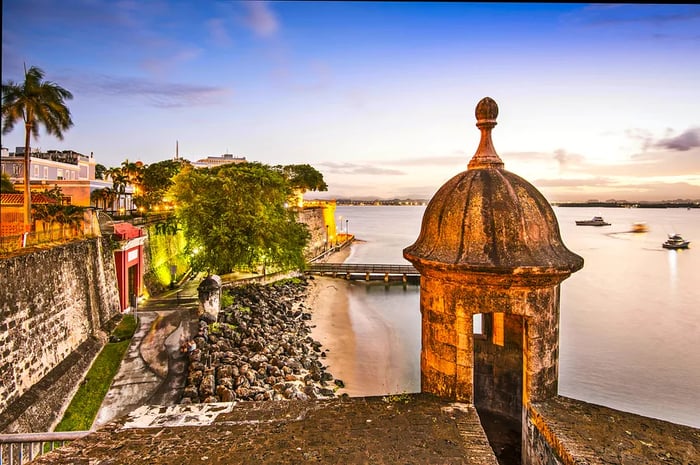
[(358, 345)]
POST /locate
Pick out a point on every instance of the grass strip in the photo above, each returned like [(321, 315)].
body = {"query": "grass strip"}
[(83, 409)]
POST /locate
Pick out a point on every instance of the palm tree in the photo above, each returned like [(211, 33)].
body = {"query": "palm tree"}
[(108, 197), (105, 195), (35, 102), (95, 197), (71, 216), (134, 175), (119, 181)]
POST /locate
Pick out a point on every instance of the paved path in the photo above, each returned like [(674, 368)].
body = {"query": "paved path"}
[(153, 369)]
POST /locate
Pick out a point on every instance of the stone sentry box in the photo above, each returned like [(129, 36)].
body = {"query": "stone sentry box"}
[(490, 245)]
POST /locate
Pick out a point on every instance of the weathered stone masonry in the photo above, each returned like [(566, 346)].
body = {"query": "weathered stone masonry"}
[(51, 302)]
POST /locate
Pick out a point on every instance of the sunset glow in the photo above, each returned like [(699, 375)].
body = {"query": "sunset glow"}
[(596, 101)]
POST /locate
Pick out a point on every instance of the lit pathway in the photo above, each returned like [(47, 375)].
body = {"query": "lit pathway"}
[(153, 368)]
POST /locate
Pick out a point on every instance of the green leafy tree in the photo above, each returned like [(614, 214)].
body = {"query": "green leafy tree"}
[(234, 217), (36, 103), (6, 186), (156, 181), (100, 171), (303, 177), (55, 193)]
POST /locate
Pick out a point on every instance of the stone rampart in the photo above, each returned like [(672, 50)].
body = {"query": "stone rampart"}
[(563, 431), (52, 302), (313, 218)]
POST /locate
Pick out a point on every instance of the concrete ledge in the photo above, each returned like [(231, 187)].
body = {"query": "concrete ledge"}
[(581, 433), (417, 429)]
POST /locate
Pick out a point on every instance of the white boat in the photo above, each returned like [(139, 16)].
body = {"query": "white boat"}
[(675, 241), (595, 221)]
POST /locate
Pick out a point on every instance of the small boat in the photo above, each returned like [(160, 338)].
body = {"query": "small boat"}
[(639, 228), (675, 241), (595, 221)]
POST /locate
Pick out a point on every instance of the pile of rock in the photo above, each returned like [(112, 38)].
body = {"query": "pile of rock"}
[(259, 349)]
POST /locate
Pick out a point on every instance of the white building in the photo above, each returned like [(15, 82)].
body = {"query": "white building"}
[(211, 162)]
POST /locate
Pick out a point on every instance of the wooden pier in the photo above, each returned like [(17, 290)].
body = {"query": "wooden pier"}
[(370, 271)]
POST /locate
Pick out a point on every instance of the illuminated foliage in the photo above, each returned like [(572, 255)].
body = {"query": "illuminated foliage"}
[(234, 217)]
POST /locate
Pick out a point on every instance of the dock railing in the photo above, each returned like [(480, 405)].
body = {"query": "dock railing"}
[(368, 270), (21, 448)]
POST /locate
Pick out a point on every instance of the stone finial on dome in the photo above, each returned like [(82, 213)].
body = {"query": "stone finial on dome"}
[(486, 156)]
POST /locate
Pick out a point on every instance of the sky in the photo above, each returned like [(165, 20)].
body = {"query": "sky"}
[(596, 101)]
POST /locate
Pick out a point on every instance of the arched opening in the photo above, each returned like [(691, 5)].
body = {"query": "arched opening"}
[(498, 383)]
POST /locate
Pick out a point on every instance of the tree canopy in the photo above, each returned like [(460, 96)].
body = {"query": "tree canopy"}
[(234, 217), (100, 171), (156, 180), (302, 177)]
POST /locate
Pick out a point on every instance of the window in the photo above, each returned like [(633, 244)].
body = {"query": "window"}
[(46, 172), (59, 174), (498, 334), (477, 324), (36, 171), (16, 170)]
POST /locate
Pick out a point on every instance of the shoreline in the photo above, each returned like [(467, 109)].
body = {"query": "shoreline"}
[(359, 344)]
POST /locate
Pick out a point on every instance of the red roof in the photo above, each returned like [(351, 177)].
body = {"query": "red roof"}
[(18, 199), (126, 231)]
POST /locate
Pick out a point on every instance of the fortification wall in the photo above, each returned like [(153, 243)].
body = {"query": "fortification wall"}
[(313, 218), (164, 252), (563, 431), (52, 301)]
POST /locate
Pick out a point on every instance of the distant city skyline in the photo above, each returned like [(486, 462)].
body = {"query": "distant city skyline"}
[(596, 101)]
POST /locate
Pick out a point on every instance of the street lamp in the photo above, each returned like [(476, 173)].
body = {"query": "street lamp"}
[(347, 233), (326, 245)]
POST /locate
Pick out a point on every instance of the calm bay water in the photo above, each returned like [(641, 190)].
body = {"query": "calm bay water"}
[(630, 319)]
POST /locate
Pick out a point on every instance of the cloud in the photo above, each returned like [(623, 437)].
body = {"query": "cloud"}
[(579, 182), (611, 15), (162, 65), (218, 33), (685, 141), (644, 191), (260, 18), (642, 136), (565, 160), (362, 169), (447, 160), (154, 93)]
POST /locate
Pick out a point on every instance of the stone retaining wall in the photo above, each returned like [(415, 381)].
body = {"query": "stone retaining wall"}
[(564, 431), (52, 301), (43, 406), (313, 218)]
